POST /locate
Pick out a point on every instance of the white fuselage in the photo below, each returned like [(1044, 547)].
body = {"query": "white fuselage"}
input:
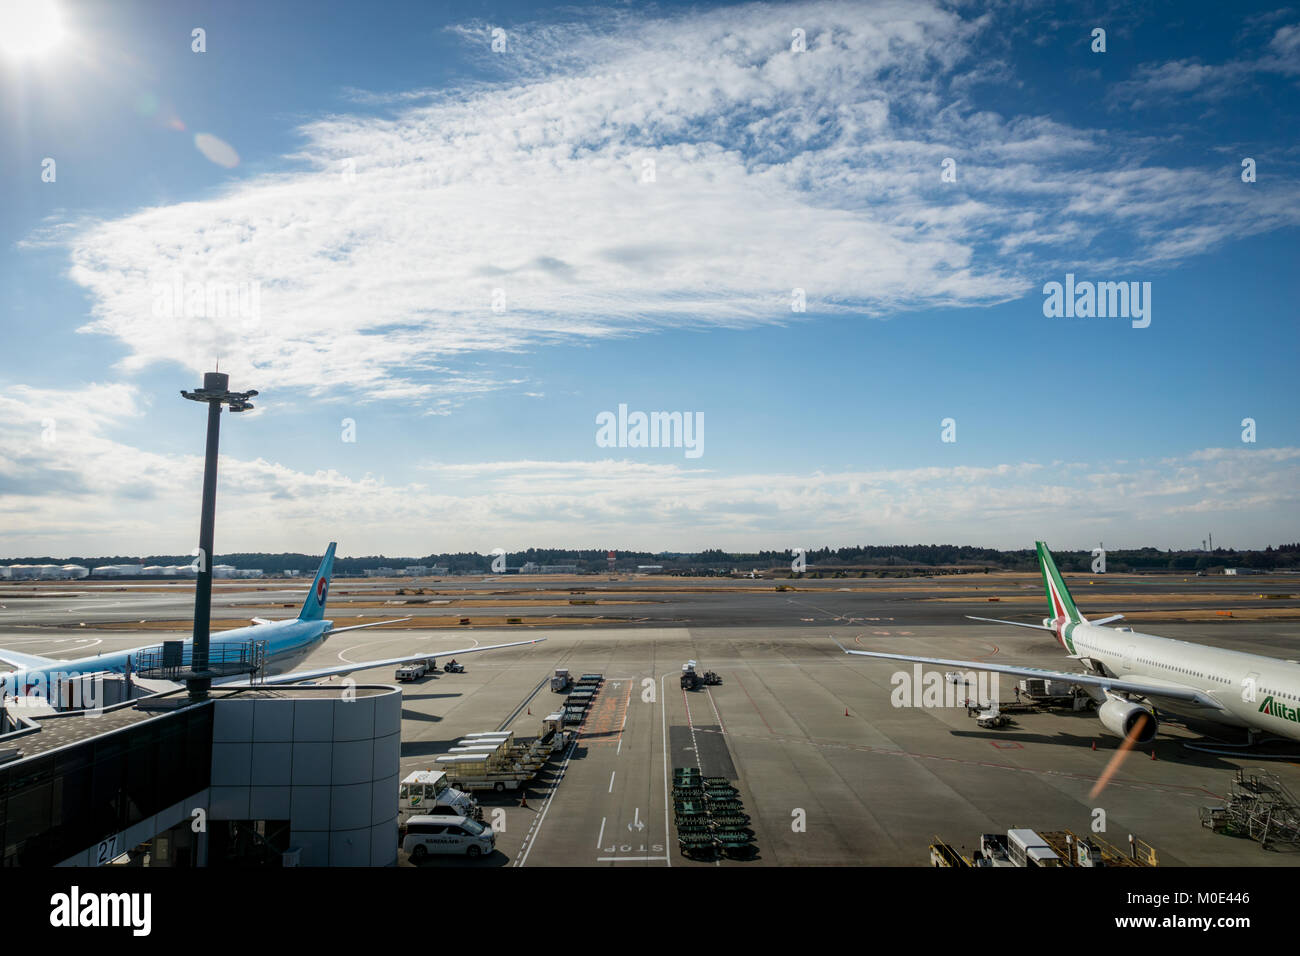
[(287, 644), (1254, 691)]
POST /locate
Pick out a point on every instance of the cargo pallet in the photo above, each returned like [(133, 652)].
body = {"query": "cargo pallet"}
[(707, 813)]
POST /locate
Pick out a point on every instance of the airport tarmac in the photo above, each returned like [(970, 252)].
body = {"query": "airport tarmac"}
[(641, 601), (830, 772)]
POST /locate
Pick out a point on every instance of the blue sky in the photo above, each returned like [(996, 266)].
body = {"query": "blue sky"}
[(378, 175)]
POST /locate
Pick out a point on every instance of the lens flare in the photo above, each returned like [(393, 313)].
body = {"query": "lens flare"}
[(1130, 739)]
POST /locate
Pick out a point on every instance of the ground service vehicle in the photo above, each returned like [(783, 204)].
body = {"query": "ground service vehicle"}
[(459, 836), (430, 792), (412, 671), (1027, 848)]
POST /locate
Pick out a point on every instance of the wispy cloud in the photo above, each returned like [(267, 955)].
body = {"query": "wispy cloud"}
[(80, 490), (1182, 80), (515, 212)]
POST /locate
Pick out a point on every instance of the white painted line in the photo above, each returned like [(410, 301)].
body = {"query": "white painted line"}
[(629, 859), (601, 839), (715, 712), (611, 780), (546, 805), (627, 705), (663, 717), (691, 724)]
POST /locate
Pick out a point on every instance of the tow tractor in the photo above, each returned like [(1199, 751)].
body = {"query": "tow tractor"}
[(429, 792), (992, 718), (453, 667), (691, 679)]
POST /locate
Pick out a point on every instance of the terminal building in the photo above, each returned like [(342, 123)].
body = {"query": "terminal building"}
[(259, 776)]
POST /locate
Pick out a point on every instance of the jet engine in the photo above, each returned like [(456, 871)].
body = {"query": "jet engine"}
[(1121, 716)]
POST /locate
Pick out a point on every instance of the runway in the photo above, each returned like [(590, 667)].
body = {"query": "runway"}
[(829, 770)]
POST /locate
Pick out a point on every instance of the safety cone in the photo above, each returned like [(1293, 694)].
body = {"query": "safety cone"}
[(523, 801), (846, 712), (1094, 745), (1153, 755), (530, 712)]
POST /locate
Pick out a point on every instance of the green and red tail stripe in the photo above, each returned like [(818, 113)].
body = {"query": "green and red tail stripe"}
[(1060, 605)]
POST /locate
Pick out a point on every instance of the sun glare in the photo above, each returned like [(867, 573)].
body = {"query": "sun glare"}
[(29, 28)]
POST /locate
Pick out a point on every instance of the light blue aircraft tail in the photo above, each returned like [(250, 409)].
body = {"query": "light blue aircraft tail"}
[(313, 609)]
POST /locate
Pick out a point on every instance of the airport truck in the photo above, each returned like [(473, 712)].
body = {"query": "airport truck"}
[(1027, 848), (429, 792), (561, 681), (554, 737), (692, 680), (495, 760), (992, 718), (413, 670), (472, 771)]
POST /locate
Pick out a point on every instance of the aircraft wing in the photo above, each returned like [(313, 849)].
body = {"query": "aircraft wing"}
[(994, 620), (356, 627), (25, 661), (1147, 688), (333, 670)]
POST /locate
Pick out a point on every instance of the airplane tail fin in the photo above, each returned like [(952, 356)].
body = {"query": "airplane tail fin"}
[(313, 609), (1060, 604)]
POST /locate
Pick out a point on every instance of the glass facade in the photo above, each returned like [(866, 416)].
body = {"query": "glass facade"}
[(62, 803), (248, 843)]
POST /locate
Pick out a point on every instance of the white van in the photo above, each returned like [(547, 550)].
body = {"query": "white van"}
[(460, 836)]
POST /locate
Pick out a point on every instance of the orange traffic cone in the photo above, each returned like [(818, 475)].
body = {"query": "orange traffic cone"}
[(1094, 745), (846, 712), (1153, 755), (530, 712), (523, 800)]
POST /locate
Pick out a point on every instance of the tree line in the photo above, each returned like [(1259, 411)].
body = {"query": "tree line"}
[(861, 557)]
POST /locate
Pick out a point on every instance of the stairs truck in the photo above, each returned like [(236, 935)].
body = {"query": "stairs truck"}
[(429, 793)]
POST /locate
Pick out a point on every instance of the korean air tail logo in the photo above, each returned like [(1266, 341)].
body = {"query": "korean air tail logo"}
[(321, 587)]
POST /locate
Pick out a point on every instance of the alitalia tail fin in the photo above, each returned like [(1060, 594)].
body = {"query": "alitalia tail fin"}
[(1059, 603)]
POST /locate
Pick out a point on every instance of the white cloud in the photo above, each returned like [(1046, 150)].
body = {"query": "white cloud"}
[(1172, 81), (378, 258), (85, 493)]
